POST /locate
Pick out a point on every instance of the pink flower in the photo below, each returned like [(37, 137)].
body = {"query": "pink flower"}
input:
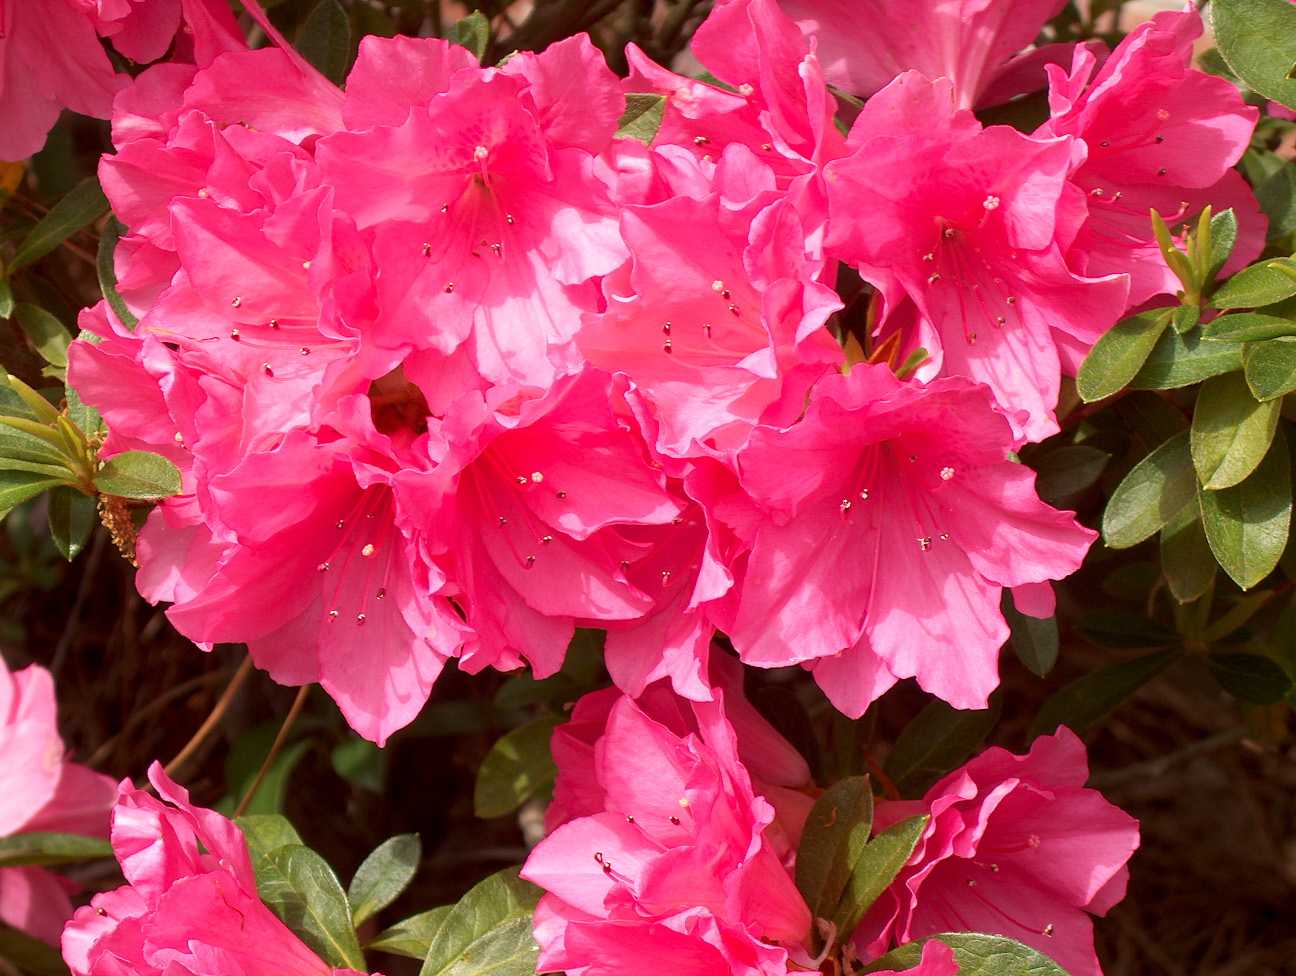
[(42, 792), (670, 857), (1016, 846), (887, 522), (186, 909)]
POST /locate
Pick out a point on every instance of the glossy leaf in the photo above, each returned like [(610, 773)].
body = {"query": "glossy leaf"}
[(17, 850), (84, 204), (472, 32), (518, 765), (1119, 354), (1270, 367), (977, 954), (106, 269), (45, 333), (1258, 41), (488, 931), (383, 875), (325, 40), (1123, 630), (1252, 678), (1067, 471), (936, 741), (878, 865), (1247, 523), (832, 841), (1086, 700), (307, 897), (1177, 361), (643, 117), (1257, 285), (1247, 327), (1231, 431), (72, 517), (138, 474), (1154, 492), (1186, 558), (412, 936)]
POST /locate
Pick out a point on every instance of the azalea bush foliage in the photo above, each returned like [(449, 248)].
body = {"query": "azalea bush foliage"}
[(709, 373)]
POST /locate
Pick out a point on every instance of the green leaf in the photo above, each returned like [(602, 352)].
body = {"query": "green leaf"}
[(267, 831), (18, 486), (1223, 235), (84, 204), (977, 954), (1156, 490), (488, 931), (30, 954), (518, 765), (325, 40), (1277, 198), (1257, 285), (361, 763), (1258, 41), (1252, 678), (1231, 430), (383, 875), (72, 517), (1067, 471), (413, 936), (1182, 360), (308, 899), (85, 417), (19, 444), (472, 32), (1247, 523), (1270, 367), (17, 850), (106, 268), (45, 332), (6, 299), (1034, 640), (1186, 318), (29, 403), (245, 762), (1086, 700), (138, 474), (1247, 327), (643, 117), (1123, 630), (936, 741), (1186, 558), (831, 843), (878, 865), (1119, 353)]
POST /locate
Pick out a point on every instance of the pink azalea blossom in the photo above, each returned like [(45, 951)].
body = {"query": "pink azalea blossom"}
[(42, 792), (669, 856), (1016, 846), (887, 522), (190, 905)]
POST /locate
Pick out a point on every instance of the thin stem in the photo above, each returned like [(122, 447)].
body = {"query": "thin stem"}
[(275, 747), (217, 713)]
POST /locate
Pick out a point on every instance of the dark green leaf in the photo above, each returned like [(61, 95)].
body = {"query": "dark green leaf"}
[(643, 117), (1223, 233), (383, 875), (1186, 558), (831, 843), (361, 763), (1186, 318), (473, 32), (1251, 678), (30, 954), (267, 831), (1247, 327), (18, 486), (488, 931), (935, 742), (1247, 523), (1258, 40), (138, 474), (1277, 198), (6, 299), (1156, 490), (45, 333), (325, 40), (1067, 471), (72, 516), (1034, 640), (84, 204), (17, 850), (1231, 430), (878, 865), (413, 936), (106, 268), (1119, 353), (308, 899), (1270, 367), (43, 448), (273, 789), (1123, 630), (1086, 700), (784, 710), (1257, 285), (517, 766), (977, 954), (84, 416), (522, 690), (1182, 360)]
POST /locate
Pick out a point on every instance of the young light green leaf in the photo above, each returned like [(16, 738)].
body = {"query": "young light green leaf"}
[(84, 204), (1177, 361), (831, 843), (30, 403), (1257, 285), (325, 40), (17, 850), (1086, 700), (518, 765), (878, 865), (1247, 327), (1154, 492), (935, 742), (472, 32), (1231, 430), (977, 954), (1270, 367), (643, 117), (45, 332), (138, 474), (41, 446), (383, 875), (413, 936), (1033, 640), (1186, 318), (1186, 558), (1223, 235), (1251, 678), (107, 271), (488, 931), (1258, 41), (1119, 354), (308, 899), (72, 517), (18, 486), (1247, 523)]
